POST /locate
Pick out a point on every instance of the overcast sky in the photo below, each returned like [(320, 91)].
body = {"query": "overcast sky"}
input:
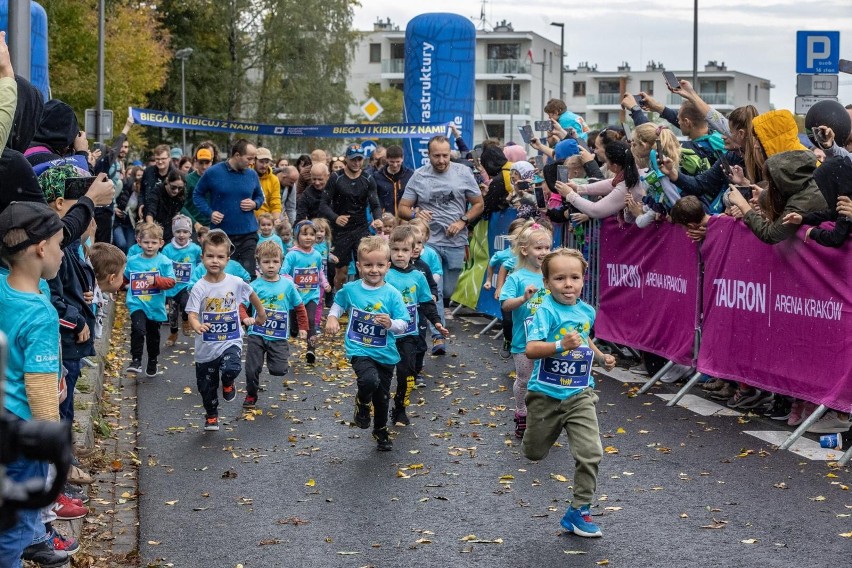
[(752, 36)]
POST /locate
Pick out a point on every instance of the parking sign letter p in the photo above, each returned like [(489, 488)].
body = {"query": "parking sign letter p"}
[(823, 43)]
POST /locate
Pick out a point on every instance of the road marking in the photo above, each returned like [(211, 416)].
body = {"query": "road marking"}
[(802, 447), (701, 405), (623, 375)]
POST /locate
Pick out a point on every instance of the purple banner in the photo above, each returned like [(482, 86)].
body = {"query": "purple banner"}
[(777, 317), (648, 289)]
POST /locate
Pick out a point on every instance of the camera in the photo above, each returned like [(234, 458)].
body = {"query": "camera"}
[(36, 440)]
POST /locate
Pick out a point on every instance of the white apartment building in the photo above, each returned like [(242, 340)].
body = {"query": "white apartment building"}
[(596, 95), (511, 90)]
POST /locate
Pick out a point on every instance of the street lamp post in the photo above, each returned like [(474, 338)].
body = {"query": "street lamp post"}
[(561, 27), (183, 55), (695, 48), (511, 79)]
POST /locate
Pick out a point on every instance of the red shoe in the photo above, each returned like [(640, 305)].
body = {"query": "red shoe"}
[(66, 510), (67, 544)]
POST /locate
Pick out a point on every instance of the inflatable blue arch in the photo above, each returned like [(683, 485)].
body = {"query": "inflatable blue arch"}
[(38, 45)]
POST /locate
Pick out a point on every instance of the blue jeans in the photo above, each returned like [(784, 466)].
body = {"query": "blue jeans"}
[(452, 261), (123, 236), (14, 540), (66, 407)]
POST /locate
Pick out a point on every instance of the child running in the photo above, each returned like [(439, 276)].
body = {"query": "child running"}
[(148, 275), (213, 309), (284, 231), (522, 293), (279, 297), (504, 260), (304, 265), (433, 260), (376, 314), (561, 391), (323, 246), (185, 256), (422, 325), (233, 267), (266, 230), (415, 293)]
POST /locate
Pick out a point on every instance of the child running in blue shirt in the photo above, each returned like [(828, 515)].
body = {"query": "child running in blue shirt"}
[(233, 267), (214, 314), (433, 260), (422, 324), (304, 265), (185, 256), (418, 300), (522, 295), (561, 394), (377, 314), (266, 230), (504, 261), (279, 298), (323, 245), (148, 276)]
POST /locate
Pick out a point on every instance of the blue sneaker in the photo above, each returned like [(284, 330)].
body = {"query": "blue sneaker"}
[(579, 522)]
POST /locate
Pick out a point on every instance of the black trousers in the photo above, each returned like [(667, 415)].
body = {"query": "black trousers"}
[(104, 220), (374, 380), (244, 248), (405, 369), (177, 309), (227, 367), (507, 325), (311, 308), (421, 347), (142, 331)]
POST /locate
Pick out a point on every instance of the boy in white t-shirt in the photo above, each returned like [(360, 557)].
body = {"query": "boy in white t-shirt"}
[(213, 310)]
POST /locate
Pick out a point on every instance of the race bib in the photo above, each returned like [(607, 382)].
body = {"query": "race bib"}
[(306, 278), (364, 330), (412, 315), (139, 283), (224, 326), (570, 370), (182, 271), (275, 326)]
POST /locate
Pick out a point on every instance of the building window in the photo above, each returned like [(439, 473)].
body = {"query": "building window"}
[(504, 51), (579, 88), (397, 51), (647, 87), (395, 85), (609, 87), (495, 130), (375, 53), (603, 118), (755, 93), (551, 62), (714, 87), (748, 91)]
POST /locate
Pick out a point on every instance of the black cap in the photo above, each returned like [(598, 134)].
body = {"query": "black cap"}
[(39, 221)]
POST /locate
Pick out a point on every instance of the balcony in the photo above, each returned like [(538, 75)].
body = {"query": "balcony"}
[(393, 66), (503, 107), (503, 66), (720, 99), (604, 99)]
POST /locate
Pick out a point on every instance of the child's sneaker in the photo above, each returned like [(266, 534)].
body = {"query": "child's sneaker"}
[(61, 543), (383, 441), (187, 329), (229, 393), (438, 346), (520, 425), (362, 414), (795, 416), (831, 423), (66, 510), (211, 423), (506, 350), (151, 369), (780, 409), (714, 385), (310, 357), (250, 401), (419, 381), (399, 417), (135, 366), (579, 522), (170, 342)]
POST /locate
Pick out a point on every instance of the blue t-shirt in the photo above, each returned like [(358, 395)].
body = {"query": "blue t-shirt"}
[(141, 295), (432, 259), (414, 289), (42, 283), (555, 375), (514, 287), (363, 336), (274, 238), (278, 298), (31, 325), (184, 260), (305, 268), (134, 250), (233, 268)]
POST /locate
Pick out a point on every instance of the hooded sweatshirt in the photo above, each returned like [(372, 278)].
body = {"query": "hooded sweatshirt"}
[(54, 138), (792, 175), (777, 132), (494, 161)]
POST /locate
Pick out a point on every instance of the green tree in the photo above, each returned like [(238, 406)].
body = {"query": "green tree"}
[(135, 55)]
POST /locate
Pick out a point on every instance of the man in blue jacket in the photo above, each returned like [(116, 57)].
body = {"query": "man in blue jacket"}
[(234, 189)]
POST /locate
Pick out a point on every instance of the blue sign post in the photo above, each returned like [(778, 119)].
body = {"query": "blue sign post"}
[(817, 52)]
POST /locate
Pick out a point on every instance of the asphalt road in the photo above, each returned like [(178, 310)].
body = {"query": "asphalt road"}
[(296, 485)]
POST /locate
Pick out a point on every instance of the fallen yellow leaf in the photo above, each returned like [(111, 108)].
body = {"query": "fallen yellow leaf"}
[(749, 541), (559, 477), (310, 483), (611, 450), (187, 390), (171, 502), (621, 431)]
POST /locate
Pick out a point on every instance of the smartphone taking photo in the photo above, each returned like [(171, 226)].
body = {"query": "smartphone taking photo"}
[(671, 80), (543, 125), (539, 197), (562, 173), (526, 133)]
